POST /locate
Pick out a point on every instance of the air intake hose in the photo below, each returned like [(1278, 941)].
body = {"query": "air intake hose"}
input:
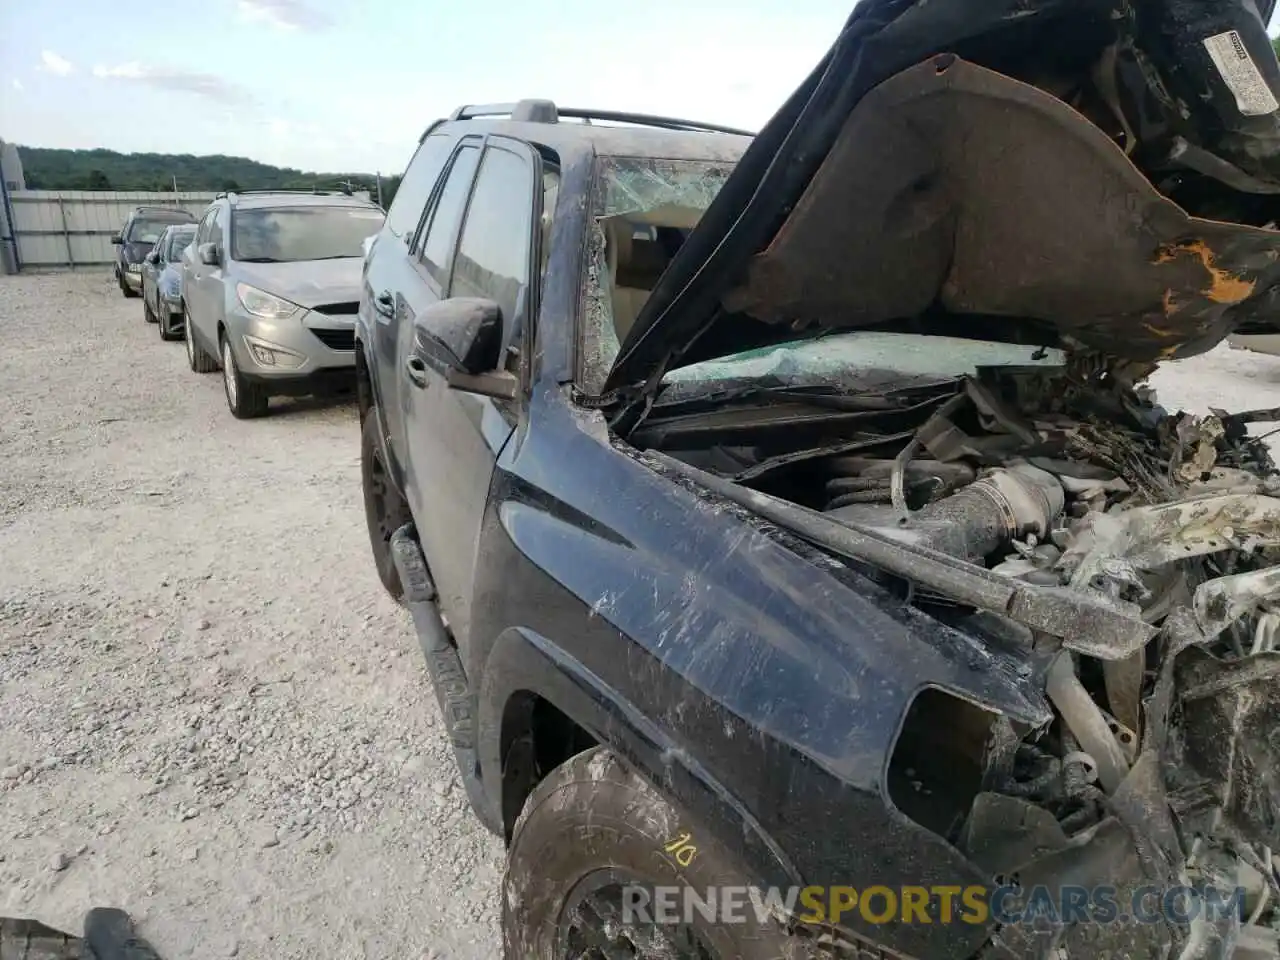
[(1005, 504)]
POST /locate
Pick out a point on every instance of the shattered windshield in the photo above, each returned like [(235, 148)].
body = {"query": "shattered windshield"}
[(643, 211)]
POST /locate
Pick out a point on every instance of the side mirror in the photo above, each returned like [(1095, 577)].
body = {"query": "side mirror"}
[(117, 240), (461, 339), (208, 254), (153, 257)]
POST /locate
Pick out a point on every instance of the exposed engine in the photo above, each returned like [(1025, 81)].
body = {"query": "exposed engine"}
[(1174, 515), (1077, 485)]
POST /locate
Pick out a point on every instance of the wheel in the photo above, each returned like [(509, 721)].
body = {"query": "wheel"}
[(563, 899), (245, 400), (385, 510), (199, 361), (148, 314), (165, 323)]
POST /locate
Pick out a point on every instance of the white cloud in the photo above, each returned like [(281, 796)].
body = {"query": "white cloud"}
[(125, 71), (285, 14), (17, 85), (55, 64), (206, 85)]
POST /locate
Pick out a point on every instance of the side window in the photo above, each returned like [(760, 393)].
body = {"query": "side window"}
[(215, 227), (202, 230), (416, 185), (437, 244), (493, 254)]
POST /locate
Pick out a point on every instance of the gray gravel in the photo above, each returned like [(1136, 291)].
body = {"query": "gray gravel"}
[(209, 713)]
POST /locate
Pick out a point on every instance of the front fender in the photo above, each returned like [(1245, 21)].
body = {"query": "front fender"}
[(524, 662)]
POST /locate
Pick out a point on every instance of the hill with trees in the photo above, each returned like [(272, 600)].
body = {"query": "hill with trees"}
[(50, 169)]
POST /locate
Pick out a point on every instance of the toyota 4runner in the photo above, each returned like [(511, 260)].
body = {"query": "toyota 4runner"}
[(788, 512)]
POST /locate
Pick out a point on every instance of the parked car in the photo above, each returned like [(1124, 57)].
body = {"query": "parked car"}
[(781, 512), (141, 230), (270, 287), (162, 280)]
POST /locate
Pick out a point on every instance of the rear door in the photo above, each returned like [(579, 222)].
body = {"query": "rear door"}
[(478, 242), (388, 274)]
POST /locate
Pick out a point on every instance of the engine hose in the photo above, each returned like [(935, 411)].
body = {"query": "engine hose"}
[(875, 495), (847, 490), (849, 484)]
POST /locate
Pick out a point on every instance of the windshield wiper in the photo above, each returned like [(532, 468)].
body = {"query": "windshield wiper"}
[(338, 256), (259, 260)]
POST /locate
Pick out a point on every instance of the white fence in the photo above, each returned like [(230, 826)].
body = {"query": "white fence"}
[(73, 228)]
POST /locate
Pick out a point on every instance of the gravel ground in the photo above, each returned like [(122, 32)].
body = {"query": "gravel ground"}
[(210, 715)]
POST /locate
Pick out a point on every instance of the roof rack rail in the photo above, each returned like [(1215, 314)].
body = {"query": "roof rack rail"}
[(288, 191), (545, 111)]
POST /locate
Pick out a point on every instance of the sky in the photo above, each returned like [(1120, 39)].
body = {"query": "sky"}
[(349, 85)]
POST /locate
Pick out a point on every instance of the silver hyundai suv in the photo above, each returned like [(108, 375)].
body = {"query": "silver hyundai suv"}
[(271, 286)]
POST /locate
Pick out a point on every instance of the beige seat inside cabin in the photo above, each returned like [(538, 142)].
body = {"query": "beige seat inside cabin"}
[(635, 261)]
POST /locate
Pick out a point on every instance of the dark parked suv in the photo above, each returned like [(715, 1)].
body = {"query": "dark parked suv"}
[(781, 514), (141, 230)]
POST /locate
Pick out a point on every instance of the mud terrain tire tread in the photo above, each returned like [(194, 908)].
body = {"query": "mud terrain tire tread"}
[(616, 819)]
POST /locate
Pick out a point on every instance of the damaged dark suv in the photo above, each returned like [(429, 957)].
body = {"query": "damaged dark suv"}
[(789, 512)]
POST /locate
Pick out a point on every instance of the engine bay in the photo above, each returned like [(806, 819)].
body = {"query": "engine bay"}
[(1070, 480)]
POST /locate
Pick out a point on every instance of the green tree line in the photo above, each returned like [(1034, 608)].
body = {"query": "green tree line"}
[(50, 169)]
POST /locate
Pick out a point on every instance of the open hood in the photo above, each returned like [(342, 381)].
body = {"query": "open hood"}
[(1038, 172)]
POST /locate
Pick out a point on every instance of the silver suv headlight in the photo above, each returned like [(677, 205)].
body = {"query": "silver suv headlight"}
[(263, 304)]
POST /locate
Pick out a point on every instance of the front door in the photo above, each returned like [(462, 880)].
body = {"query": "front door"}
[(389, 271), (478, 243), (193, 269), (209, 293)]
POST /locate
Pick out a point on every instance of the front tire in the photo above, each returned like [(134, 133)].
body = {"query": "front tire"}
[(246, 400), (165, 323), (590, 828), (385, 510), (197, 359)]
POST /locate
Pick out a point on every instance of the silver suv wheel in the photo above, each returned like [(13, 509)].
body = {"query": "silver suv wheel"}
[(229, 375)]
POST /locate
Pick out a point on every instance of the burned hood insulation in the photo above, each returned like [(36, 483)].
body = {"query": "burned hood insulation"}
[(989, 197)]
